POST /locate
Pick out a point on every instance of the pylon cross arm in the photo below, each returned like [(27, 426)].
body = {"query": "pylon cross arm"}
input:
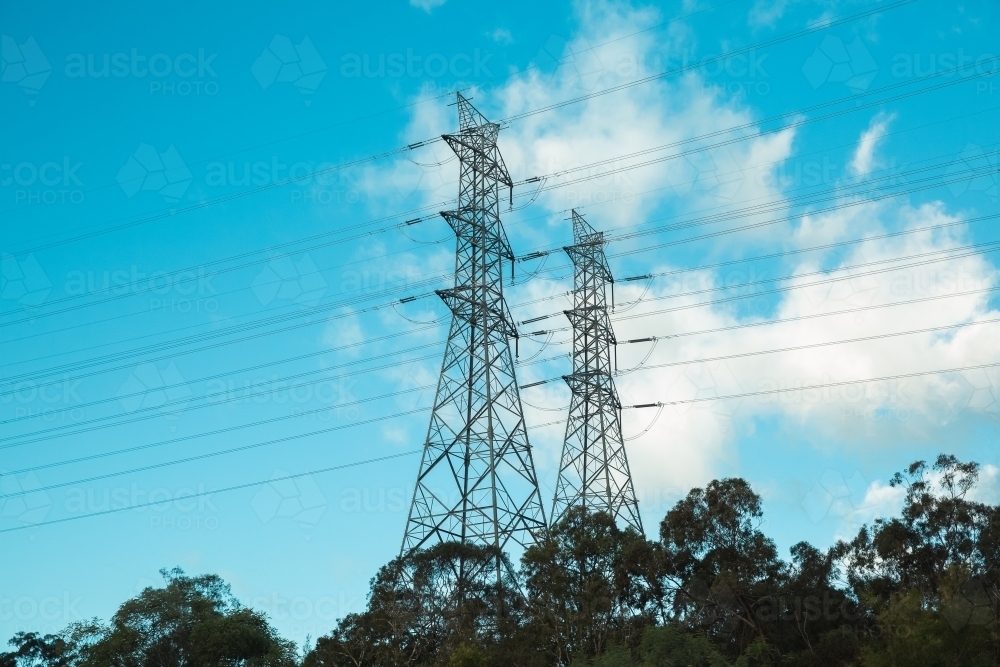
[(591, 256), (467, 307), (488, 163)]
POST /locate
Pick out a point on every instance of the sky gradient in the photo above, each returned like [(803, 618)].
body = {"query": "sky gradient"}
[(188, 268)]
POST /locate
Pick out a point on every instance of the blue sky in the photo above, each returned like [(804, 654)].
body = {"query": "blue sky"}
[(141, 185)]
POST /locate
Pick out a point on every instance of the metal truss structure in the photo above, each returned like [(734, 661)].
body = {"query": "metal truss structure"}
[(477, 480), (593, 471)]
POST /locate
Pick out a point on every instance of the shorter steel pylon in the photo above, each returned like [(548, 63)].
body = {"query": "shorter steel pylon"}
[(593, 471)]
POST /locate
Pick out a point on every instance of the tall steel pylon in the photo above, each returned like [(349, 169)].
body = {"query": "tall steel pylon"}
[(477, 480), (594, 469)]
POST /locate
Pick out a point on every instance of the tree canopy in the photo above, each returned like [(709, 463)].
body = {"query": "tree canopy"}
[(920, 588)]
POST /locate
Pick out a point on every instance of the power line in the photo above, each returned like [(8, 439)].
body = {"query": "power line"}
[(223, 397), (410, 299), (361, 297), (821, 26), (220, 294), (210, 347), (810, 346), (207, 455), (227, 429), (824, 385), (974, 249), (168, 387), (811, 316), (979, 249), (227, 489), (785, 202), (687, 362), (195, 338), (160, 409), (128, 292), (780, 350), (973, 172), (128, 450), (411, 146), (914, 128), (776, 255), (785, 320), (185, 209), (763, 133), (236, 487), (777, 290), (757, 225)]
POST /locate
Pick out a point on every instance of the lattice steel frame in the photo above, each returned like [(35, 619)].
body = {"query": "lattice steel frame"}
[(477, 479), (593, 470)]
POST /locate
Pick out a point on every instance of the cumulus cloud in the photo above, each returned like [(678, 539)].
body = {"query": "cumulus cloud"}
[(502, 36), (988, 488), (881, 501), (767, 12), (427, 5), (689, 443), (864, 155)]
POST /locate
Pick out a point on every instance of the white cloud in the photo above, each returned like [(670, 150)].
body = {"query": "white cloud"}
[(864, 155), (767, 12), (501, 36), (880, 501), (690, 444), (427, 5), (988, 488), (344, 330)]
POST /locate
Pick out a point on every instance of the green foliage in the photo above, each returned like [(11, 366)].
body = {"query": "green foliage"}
[(720, 562), (467, 655), (670, 647), (588, 584), (919, 589), (191, 622)]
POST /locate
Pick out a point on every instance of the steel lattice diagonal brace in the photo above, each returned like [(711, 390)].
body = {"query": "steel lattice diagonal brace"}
[(593, 470), (477, 480)]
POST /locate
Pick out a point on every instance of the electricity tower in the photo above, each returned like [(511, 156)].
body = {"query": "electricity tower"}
[(477, 479), (593, 471)]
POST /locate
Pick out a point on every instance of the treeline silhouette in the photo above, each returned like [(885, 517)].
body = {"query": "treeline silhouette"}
[(920, 588)]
